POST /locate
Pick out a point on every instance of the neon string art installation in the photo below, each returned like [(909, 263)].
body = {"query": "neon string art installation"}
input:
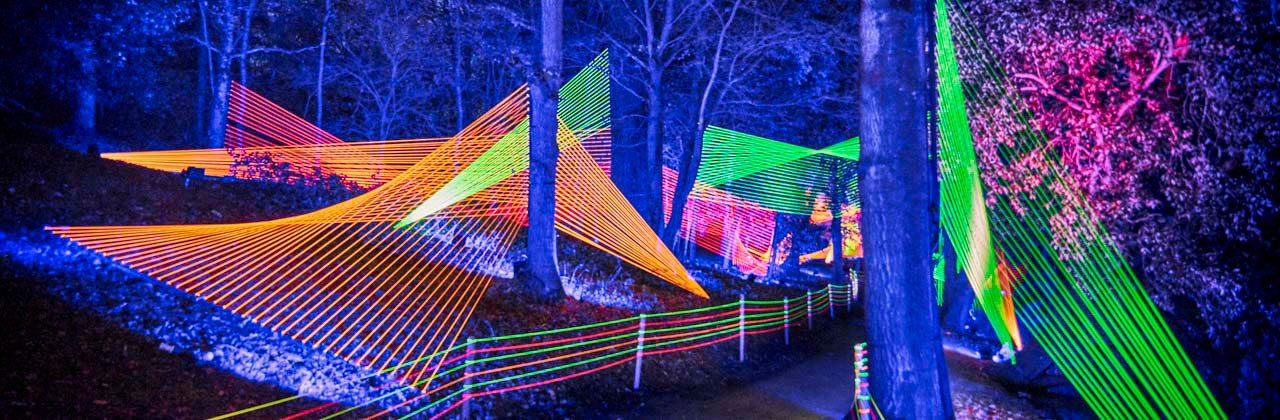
[(778, 176), (1073, 289), (744, 182), (350, 280), (260, 132), (589, 206), (758, 178)]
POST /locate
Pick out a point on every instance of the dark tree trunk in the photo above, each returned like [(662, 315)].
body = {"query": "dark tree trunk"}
[(324, 44), (204, 92), (791, 264), (684, 185), (543, 155), (87, 91), (692, 157), (780, 230), (201, 97), (653, 153), (837, 229), (245, 27), (957, 295), (221, 78), (459, 106), (908, 372)]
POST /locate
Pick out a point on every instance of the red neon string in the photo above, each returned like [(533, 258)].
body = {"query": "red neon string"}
[(685, 321), (554, 380), (558, 341), (315, 409), (690, 347)]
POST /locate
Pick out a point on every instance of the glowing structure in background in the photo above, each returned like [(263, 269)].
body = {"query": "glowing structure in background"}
[(1075, 292), (777, 176), (349, 279), (258, 127), (744, 181), (725, 224)]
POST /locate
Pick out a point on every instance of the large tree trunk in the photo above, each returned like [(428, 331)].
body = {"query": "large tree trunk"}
[(837, 222), (222, 78), (908, 372), (245, 28), (543, 156), (324, 43), (653, 152), (202, 98), (87, 92), (459, 106), (204, 89), (684, 185)]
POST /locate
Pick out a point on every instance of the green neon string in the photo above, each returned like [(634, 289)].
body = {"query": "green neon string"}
[(1078, 296), (774, 175), (962, 208), (584, 108)]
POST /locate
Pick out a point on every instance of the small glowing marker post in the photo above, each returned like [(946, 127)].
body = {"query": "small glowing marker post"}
[(742, 328)]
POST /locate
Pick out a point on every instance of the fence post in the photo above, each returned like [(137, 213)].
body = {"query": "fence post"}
[(862, 398), (831, 302), (742, 328), (466, 379), (848, 303), (635, 384), (786, 321), (808, 307)]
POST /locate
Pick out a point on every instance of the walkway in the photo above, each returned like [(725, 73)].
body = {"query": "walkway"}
[(820, 388), (814, 389)]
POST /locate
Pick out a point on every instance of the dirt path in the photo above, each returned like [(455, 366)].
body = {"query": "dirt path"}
[(814, 389), (820, 388)]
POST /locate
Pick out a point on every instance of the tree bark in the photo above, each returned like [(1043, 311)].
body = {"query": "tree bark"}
[(908, 372), (324, 43), (544, 154), (87, 92), (783, 225), (837, 222), (245, 27), (653, 208), (459, 106), (204, 90), (221, 78), (199, 131)]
